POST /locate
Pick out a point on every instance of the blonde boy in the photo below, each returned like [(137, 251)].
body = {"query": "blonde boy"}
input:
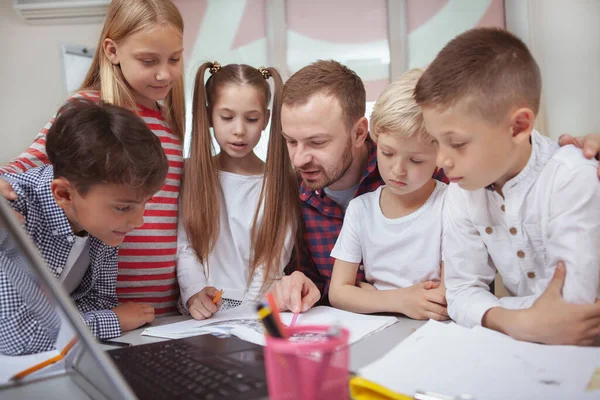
[(519, 204), (395, 232)]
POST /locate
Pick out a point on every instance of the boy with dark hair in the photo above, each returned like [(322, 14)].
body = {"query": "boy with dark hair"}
[(105, 166)]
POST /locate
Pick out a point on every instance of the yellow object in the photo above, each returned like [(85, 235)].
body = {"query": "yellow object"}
[(218, 296), (44, 364), (363, 389), (594, 381)]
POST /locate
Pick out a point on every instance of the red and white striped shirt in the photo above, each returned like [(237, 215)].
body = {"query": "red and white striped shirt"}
[(147, 256)]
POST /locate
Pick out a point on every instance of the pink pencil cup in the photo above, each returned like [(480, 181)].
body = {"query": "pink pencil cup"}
[(310, 365)]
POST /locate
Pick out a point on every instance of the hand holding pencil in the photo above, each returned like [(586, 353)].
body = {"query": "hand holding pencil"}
[(205, 303)]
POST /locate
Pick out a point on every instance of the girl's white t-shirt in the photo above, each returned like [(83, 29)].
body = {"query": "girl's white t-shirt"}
[(230, 259), (395, 253)]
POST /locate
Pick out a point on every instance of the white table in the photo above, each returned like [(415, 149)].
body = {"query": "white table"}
[(361, 353)]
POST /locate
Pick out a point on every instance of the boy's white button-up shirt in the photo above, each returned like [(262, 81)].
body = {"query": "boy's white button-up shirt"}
[(550, 212)]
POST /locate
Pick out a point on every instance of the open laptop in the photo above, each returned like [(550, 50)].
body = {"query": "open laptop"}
[(201, 367)]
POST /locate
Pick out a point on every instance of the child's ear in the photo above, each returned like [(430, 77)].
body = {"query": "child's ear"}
[(522, 122), (267, 118), (110, 50), (62, 191)]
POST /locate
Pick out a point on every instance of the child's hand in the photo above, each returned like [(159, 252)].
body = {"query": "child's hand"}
[(423, 301), (441, 289), (8, 193), (133, 315), (201, 304)]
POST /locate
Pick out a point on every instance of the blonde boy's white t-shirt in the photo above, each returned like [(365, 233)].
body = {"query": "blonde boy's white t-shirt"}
[(230, 259), (398, 252)]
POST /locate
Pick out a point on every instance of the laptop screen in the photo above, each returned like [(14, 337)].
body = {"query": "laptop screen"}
[(39, 322)]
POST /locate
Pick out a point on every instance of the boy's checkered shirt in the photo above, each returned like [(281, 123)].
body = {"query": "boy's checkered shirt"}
[(49, 228)]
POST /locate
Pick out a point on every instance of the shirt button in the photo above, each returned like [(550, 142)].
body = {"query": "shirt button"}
[(59, 270), (55, 232), (489, 230), (531, 275), (70, 239), (502, 207), (521, 254), (513, 231), (326, 209), (361, 267)]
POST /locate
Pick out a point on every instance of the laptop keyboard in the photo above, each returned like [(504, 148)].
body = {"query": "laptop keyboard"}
[(171, 369)]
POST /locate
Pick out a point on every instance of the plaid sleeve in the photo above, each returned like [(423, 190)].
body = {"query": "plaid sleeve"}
[(28, 322), (96, 307), (104, 324), (440, 175)]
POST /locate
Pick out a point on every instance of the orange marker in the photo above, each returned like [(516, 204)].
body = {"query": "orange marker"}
[(275, 308), (44, 364), (218, 296)]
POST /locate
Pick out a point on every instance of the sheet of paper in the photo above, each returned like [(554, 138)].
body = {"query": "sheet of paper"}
[(243, 323), (451, 360), (11, 365)]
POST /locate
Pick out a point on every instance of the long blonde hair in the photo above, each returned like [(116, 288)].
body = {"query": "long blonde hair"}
[(201, 189), (124, 18)]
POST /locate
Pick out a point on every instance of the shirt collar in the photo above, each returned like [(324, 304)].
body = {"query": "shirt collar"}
[(540, 152), (533, 140), (532, 165), (53, 214)]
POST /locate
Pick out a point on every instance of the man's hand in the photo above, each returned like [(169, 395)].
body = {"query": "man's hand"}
[(590, 144), (296, 293), (201, 304), (133, 315), (551, 320)]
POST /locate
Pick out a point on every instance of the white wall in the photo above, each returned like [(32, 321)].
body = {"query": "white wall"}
[(31, 82), (564, 36)]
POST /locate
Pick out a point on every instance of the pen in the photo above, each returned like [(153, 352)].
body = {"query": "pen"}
[(420, 395), (265, 314), (294, 318), (275, 310), (218, 296), (115, 343), (44, 364)]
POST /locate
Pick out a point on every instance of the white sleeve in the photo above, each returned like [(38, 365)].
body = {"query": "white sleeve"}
[(518, 303), (190, 271), (347, 246), (574, 230), (254, 292), (468, 268)]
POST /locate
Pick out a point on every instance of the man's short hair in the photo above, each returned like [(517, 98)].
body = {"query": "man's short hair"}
[(331, 79)]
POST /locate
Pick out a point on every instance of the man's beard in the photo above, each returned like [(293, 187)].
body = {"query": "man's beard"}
[(335, 174)]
